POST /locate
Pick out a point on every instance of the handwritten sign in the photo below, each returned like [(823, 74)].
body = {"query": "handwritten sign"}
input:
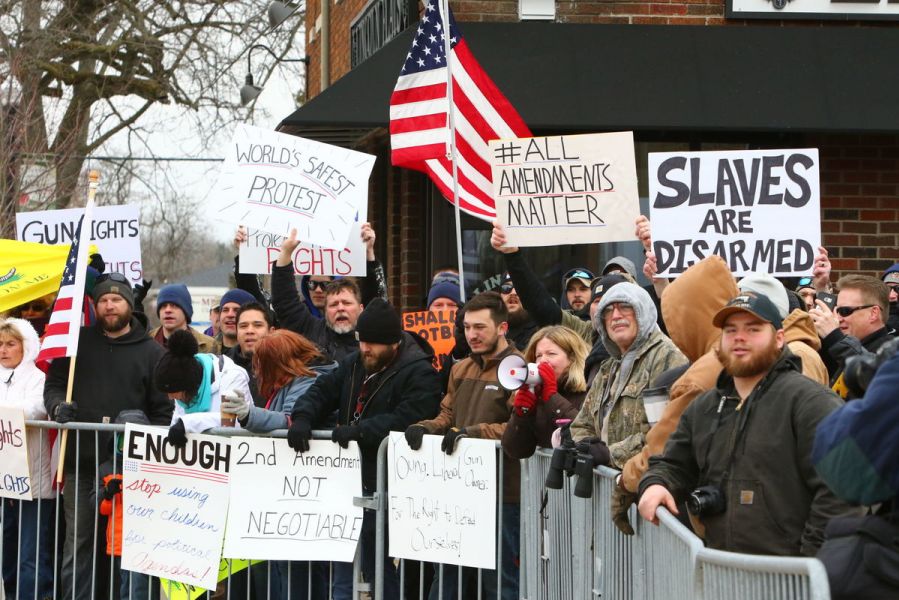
[(15, 475), (287, 505), (443, 508), (174, 505), (115, 230), (276, 182), (759, 210), (262, 248), (174, 590), (436, 328), (570, 189)]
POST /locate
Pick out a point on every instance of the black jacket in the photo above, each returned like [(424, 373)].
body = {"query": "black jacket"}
[(111, 375), (836, 347), (246, 362), (405, 392), (775, 501)]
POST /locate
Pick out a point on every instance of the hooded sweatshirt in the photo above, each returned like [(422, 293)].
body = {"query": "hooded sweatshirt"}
[(893, 318), (23, 387), (613, 409)]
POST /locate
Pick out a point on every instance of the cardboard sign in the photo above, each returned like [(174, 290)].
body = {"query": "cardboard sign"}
[(15, 474), (115, 230), (174, 503), (443, 508), (262, 248), (757, 209), (288, 505), (435, 327), (570, 189), (277, 182)]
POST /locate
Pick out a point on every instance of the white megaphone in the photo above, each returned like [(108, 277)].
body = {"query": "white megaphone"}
[(514, 372)]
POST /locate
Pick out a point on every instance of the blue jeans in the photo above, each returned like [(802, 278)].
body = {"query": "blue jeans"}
[(342, 588), (31, 559), (510, 540)]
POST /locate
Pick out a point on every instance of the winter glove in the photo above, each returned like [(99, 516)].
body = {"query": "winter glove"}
[(414, 435), (299, 434), (177, 435), (344, 434), (597, 450), (66, 412), (525, 401), (621, 502), (549, 385), (140, 291), (112, 487), (236, 404), (96, 261), (451, 438)]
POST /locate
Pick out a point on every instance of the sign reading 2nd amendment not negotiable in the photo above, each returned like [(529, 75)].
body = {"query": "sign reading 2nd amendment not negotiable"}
[(570, 189), (758, 209)]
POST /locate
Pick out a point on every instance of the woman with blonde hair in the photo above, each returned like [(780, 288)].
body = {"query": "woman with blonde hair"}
[(559, 353)]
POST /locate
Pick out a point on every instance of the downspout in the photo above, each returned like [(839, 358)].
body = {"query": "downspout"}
[(325, 40)]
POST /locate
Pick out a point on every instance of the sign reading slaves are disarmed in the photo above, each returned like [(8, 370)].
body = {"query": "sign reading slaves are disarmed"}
[(759, 210), (572, 189)]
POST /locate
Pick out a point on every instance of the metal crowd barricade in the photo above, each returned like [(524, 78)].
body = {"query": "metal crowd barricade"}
[(729, 575)]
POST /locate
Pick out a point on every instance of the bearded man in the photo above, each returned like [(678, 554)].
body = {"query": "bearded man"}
[(741, 453)]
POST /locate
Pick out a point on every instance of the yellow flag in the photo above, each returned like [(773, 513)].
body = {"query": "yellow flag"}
[(28, 271)]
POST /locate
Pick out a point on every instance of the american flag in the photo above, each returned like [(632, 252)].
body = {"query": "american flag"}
[(419, 115), (61, 335)]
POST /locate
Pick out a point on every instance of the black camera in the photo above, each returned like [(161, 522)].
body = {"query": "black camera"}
[(860, 370), (706, 501), (569, 460)]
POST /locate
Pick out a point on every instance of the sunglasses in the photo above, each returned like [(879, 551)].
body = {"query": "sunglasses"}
[(117, 277), (316, 285), (845, 311), (506, 288), (34, 307), (805, 281), (577, 274)]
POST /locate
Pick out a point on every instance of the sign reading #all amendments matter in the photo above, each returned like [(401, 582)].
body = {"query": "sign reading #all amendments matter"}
[(570, 189), (757, 209)]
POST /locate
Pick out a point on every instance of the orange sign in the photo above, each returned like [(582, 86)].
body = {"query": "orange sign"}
[(435, 327)]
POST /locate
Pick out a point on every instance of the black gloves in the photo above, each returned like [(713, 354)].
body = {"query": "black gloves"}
[(298, 435), (414, 435), (66, 412), (177, 435), (344, 434), (140, 291), (112, 487), (597, 449), (96, 261), (451, 438)]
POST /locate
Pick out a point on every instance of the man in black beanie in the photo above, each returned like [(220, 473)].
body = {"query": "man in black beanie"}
[(386, 385)]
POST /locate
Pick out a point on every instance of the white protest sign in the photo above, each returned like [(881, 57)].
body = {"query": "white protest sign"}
[(174, 505), (277, 182), (262, 248), (15, 476), (569, 189), (287, 505), (443, 508), (115, 230), (757, 209)]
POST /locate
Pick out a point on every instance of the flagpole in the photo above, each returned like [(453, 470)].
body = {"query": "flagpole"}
[(443, 7), (94, 182)]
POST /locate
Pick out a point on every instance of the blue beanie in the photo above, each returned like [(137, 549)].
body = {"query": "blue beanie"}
[(446, 288), (178, 295), (239, 296)]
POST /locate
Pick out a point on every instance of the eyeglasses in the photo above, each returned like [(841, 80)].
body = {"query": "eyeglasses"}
[(845, 311), (117, 277), (506, 288), (623, 307), (312, 285)]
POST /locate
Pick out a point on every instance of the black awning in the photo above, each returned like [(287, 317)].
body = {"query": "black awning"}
[(574, 77)]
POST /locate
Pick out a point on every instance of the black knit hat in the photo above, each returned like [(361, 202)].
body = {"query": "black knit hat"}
[(178, 370), (379, 324)]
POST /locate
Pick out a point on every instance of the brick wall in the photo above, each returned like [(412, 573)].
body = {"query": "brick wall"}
[(342, 14)]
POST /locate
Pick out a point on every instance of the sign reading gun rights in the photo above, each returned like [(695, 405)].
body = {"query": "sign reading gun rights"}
[(174, 505), (262, 248), (277, 182), (15, 479), (287, 505), (571, 189), (115, 231), (443, 508), (759, 210)]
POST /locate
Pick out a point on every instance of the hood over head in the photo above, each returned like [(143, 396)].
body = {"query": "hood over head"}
[(623, 262), (30, 341), (690, 302), (799, 327), (644, 309)]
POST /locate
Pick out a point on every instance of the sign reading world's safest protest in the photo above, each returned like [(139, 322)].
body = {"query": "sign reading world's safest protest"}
[(288, 505), (174, 505), (277, 182), (442, 507), (570, 189), (115, 230), (759, 210), (15, 477)]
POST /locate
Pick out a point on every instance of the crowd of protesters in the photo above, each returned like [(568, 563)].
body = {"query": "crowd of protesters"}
[(705, 392)]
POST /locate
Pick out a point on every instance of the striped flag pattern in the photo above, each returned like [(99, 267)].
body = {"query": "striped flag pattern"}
[(419, 119)]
